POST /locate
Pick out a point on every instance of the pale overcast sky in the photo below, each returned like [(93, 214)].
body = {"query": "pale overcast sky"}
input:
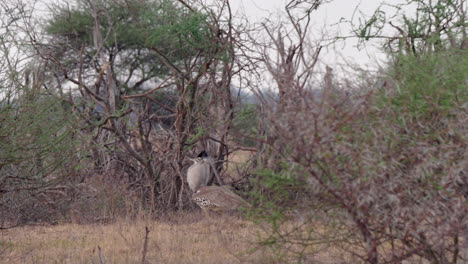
[(328, 14)]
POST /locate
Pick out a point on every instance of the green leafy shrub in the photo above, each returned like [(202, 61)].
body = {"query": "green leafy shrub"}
[(245, 125)]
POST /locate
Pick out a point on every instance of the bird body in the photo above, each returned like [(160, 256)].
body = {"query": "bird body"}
[(199, 174), (218, 198)]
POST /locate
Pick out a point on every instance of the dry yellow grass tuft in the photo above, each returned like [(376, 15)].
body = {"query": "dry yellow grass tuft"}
[(220, 239)]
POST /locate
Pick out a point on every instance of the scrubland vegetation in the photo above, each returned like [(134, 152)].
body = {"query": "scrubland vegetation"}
[(102, 103)]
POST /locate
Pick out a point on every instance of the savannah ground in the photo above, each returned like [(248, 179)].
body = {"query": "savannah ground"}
[(182, 238), (194, 240)]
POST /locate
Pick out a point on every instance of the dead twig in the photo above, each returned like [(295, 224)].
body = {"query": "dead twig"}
[(101, 257), (145, 246)]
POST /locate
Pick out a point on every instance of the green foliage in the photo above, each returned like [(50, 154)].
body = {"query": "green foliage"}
[(421, 110), (430, 83), (274, 191), (183, 31), (73, 23), (39, 151), (38, 142), (245, 124), (433, 26), (199, 132), (140, 24), (132, 31), (372, 27)]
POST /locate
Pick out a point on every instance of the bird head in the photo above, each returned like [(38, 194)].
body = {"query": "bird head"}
[(203, 154)]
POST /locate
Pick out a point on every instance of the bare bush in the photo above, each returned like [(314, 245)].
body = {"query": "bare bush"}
[(381, 169)]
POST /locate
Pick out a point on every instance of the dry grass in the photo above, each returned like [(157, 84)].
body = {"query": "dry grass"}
[(197, 239), (181, 238)]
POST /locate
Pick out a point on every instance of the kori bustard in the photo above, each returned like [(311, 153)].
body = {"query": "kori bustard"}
[(217, 198), (200, 173)]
